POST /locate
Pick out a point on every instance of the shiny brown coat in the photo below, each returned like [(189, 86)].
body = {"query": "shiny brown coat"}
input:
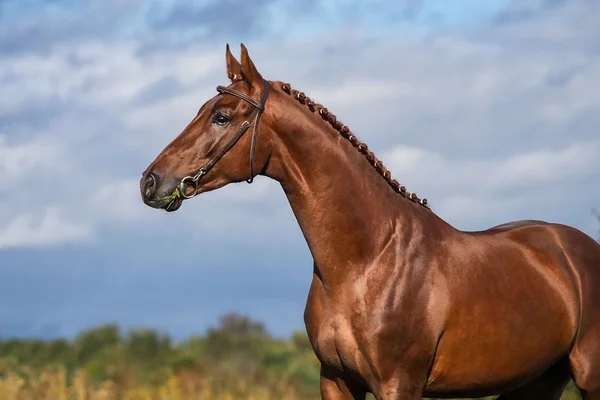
[(402, 304)]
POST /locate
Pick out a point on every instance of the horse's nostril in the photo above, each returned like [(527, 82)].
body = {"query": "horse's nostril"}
[(150, 184)]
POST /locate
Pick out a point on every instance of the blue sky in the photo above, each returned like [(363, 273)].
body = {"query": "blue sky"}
[(493, 114)]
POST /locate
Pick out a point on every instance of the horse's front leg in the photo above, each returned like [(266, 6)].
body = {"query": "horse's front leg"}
[(339, 386)]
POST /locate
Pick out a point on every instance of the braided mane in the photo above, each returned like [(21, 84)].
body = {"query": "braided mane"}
[(346, 133)]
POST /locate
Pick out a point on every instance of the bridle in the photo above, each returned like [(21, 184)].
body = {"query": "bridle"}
[(259, 107)]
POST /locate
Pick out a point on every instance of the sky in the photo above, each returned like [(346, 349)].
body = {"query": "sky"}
[(490, 110)]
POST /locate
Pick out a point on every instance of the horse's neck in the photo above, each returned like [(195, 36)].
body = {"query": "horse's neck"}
[(347, 212)]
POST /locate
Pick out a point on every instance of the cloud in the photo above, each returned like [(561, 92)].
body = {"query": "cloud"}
[(118, 201), (522, 11), (18, 160), (471, 190), (519, 171), (216, 18), (51, 228), (39, 26)]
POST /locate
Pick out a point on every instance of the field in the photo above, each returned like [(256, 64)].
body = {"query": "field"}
[(54, 384), (238, 359)]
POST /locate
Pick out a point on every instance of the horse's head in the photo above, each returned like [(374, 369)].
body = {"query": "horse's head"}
[(218, 146)]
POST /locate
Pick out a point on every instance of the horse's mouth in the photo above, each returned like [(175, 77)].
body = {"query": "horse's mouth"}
[(171, 202), (172, 205)]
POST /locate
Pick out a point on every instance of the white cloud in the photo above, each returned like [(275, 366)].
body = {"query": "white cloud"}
[(548, 167), (118, 201), (540, 167), (50, 228), (23, 158), (469, 191)]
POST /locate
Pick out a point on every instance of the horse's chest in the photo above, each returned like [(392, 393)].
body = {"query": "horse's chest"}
[(335, 344), (324, 343), (331, 334)]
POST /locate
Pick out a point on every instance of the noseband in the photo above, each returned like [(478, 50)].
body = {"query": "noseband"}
[(259, 107)]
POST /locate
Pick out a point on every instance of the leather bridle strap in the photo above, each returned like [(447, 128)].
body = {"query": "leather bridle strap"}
[(259, 107)]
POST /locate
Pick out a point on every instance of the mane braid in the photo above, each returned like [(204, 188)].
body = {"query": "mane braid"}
[(360, 146)]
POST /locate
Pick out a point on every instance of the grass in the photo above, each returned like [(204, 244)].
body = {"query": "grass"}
[(52, 383)]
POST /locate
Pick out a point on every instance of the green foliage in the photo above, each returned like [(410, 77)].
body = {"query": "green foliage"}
[(236, 336), (91, 342)]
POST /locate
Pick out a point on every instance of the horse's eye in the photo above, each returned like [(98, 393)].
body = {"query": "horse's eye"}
[(220, 119)]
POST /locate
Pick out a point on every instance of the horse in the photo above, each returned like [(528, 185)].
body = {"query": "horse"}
[(402, 304)]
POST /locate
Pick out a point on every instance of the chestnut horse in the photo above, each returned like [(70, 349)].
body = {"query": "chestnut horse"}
[(402, 304)]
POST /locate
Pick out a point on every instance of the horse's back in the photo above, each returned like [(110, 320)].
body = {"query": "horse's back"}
[(580, 250), (517, 224), (573, 249)]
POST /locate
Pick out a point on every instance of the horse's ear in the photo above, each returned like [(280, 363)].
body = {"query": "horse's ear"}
[(249, 71), (234, 69)]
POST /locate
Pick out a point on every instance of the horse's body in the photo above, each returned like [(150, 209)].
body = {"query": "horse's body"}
[(488, 311), (401, 304)]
